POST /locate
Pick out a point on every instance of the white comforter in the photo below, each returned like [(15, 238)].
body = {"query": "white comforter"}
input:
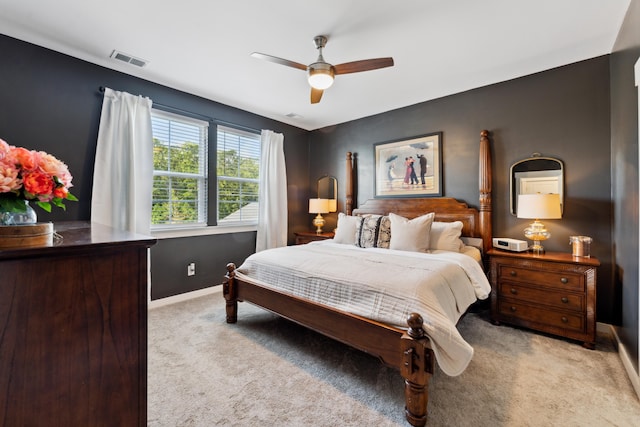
[(381, 284)]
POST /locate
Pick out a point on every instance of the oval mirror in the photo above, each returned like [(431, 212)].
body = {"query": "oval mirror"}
[(328, 189), (536, 174)]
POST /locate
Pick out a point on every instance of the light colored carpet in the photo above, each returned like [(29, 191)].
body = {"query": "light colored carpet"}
[(266, 371)]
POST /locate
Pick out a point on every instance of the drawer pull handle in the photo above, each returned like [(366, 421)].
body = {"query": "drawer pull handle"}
[(513, 308), (564, 300), (564, 280), (513, 273), (514, 291), (564, 319)]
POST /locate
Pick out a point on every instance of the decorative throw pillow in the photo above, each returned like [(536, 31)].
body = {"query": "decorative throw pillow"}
[(373, 231), (346, 231), (410, 234), (446, 236)]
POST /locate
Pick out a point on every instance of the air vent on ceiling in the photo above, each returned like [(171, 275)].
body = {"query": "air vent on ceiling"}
[(125, 57), (294, 116)]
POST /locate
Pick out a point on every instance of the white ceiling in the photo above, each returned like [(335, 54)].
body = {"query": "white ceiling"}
[(440, 47)]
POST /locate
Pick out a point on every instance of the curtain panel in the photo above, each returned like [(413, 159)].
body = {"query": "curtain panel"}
[(272, 213), (123, 171)]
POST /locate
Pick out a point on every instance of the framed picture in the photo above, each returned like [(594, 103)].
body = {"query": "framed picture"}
[(409, 167)]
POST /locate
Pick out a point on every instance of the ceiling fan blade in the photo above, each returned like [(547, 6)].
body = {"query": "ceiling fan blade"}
[(279, 61), (316, 95), (363, 65)]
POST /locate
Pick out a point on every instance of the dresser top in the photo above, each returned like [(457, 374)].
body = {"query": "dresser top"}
[(564, 257), (80, 236)]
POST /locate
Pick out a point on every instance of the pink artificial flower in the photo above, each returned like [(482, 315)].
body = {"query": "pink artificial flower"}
[(6, 153), (9, 180), (54, 167), (4, 147), (27, 159)]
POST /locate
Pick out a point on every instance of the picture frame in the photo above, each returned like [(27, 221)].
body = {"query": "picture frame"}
[(400, 169)]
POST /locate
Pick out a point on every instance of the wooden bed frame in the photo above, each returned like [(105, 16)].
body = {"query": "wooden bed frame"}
[(408, 351)]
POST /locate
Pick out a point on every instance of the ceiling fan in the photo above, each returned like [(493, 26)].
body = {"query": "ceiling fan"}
[(320, 74)]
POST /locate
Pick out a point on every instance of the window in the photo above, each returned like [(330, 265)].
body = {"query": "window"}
[(238, 166), (179, 170)]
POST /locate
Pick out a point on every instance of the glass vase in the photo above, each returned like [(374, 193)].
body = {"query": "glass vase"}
[(29, 216)]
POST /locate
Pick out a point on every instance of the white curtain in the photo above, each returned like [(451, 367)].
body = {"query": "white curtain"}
[(272, 216), (123, 172)]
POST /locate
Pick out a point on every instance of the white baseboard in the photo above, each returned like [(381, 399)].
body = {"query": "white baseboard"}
[(184, 297), (626, 361), (604, 328)]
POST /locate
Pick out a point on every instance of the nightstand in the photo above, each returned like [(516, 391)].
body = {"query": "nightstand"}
[(553, 293), (304, 237)]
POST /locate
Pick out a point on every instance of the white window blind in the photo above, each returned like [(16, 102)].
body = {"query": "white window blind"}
[(238, 167), (180, 170)]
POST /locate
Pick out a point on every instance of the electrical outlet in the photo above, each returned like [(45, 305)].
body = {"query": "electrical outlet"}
[(191, 269)]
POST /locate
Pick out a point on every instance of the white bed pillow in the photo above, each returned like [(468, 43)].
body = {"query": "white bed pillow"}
[(346, 231), (445, 236), (410, 234)]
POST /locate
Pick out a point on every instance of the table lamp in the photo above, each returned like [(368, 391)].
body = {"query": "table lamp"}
[(318, 206), (538, 206)]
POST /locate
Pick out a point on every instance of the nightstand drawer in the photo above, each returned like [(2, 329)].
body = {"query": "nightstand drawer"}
[(566, 300), (521, 312), (555, 279)]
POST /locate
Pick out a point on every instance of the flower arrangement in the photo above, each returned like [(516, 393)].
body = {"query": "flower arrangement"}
[(29, 175)]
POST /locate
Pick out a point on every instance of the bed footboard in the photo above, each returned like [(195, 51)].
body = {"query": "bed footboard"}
[(408, 351)]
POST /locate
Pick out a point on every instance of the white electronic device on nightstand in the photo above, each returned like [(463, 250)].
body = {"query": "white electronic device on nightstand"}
[(510, 244)]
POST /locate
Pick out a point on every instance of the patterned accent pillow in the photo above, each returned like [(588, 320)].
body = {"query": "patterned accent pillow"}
[(373, 231)]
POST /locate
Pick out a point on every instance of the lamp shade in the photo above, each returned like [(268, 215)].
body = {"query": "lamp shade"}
[(318, 206), (539, 206)]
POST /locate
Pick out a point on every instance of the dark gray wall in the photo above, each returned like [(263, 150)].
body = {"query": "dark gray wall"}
[(561, 113), (624, 152), (50, 102)]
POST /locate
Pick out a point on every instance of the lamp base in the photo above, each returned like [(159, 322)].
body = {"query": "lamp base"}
[(536, 232), (536, 248), (318, 222)]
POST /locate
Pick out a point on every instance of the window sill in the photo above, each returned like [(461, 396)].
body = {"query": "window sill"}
[(202, 231)]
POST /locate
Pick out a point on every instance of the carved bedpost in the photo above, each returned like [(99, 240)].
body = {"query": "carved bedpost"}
[(349, 185), (417, 367), (485, 190), (229, 293)]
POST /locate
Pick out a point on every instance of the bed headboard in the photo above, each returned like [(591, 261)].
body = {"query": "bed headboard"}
[(476, 222), (445, 208)]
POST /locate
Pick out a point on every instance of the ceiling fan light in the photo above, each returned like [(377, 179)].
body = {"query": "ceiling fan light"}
[(321, 77)]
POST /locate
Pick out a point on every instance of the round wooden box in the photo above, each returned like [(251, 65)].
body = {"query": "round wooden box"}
[(27, 235)]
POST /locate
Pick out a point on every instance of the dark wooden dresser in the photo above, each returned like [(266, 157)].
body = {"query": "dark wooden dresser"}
[(73, 330), (304, 237), (553, 293)]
